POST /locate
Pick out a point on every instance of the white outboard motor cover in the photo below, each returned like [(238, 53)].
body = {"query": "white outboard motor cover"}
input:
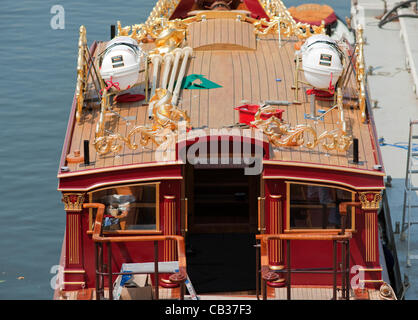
[(121, 61), (321, 57)]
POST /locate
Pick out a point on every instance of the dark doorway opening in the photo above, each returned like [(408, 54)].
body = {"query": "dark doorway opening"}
[(221, 262), (222, 226)]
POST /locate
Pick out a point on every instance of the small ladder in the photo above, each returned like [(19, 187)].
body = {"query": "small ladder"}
[(407, 206)]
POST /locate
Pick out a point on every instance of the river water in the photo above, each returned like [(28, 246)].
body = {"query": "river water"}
[(37, 81)]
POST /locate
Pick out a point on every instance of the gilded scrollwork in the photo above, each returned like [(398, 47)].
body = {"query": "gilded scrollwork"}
[(158, 23), (161, 132), (281, 134), (281, 19)]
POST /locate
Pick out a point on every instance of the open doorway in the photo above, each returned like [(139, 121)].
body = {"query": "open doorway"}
[(222, 226)]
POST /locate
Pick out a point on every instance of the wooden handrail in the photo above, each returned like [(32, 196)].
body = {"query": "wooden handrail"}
[(343, 206), (269, 275), (97, 236), (287, 236), (303, 236)]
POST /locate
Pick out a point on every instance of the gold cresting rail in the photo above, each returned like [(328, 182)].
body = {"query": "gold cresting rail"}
[(360, 72), (281, 134), (155, 23), (279, 16), (82, 66), (85, 64)]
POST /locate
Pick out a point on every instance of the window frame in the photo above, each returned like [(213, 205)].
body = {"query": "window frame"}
[(288, 229), (157, 229)]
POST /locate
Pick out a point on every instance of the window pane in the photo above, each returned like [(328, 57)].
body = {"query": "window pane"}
[(128, 207), (316, 207)]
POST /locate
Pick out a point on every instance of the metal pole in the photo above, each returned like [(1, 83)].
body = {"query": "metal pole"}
[(257, 270), (146, 80), (343, 268), (102, 268), (408, 158), (264, 283), (182, 289), (288, 270), (334, 256), (109, 269), (157, 280), (96, 247), (347, 275)]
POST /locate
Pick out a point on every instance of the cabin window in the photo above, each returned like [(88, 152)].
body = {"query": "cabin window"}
[(129, 208), (317, 207)]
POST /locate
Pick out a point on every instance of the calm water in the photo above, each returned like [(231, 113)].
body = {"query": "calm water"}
[(37, 81)]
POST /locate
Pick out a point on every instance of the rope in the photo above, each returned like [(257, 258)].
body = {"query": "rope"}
[(110, 84), (391, 15)]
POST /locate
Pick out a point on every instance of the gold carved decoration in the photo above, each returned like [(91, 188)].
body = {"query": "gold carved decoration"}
[(281, 134), (168, 40), (162, 131), (167, 35), (288, 28), (281, 19), (360, 74), (370, 200), (73, 201), (81, 72), (159, 28)]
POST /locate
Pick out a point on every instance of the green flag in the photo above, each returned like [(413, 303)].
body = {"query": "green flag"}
[(198, 81)]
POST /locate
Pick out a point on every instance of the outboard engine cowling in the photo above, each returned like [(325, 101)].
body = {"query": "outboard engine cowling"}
[(322, 61), (121, 61)]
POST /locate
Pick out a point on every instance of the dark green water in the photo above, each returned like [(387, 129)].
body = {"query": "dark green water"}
[(37, 82)]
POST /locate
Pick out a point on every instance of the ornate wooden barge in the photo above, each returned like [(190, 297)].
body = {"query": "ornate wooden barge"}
[(158, 180)]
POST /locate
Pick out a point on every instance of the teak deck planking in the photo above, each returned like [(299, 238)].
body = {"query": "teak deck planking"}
[(246, 76)]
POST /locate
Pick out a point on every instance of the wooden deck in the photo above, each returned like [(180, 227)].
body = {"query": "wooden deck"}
[(263, 71)]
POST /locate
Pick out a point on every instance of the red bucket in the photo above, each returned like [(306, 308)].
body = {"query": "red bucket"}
[(248, 111)]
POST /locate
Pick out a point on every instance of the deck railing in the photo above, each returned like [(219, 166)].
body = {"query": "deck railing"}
[(360, 72), (272, 275), (343, 237), (99, 239)]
